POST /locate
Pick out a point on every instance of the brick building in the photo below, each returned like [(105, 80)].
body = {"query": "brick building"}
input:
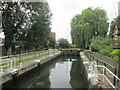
[(53, 34)]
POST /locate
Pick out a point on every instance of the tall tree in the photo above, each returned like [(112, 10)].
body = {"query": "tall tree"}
[(26, 24), (89, 24), (12, 22), (63, 43)]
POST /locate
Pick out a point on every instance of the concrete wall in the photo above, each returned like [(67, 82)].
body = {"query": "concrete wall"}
[(70, 52), (7, 76), (92, 82)]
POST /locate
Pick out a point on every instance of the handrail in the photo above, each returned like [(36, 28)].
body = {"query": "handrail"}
[(115, 78), (21, 54), (10, 62), (100, 60), (105, 68)]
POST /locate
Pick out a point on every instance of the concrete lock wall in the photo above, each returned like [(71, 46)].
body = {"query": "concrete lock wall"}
[(92, 82), (8, 76), (33, 64), (70, 52)]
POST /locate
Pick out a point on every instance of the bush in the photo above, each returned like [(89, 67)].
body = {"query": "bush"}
[(98, 45), (107, 50)]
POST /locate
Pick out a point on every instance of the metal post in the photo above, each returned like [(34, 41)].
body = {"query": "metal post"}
[(8, 66), (114, 83), (10, 63), (97, 61), (28, 54), (14, 63), (90, 57), (20, 57), (104, 69)]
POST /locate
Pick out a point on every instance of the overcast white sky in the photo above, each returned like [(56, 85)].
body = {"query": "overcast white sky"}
[(64, 10)]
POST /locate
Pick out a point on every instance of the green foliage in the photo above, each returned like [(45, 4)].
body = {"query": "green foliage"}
[(73, 46), (98, 45), (112, 26), (116, 52), (107, 50), (52, 42), (89, 24), (112, 29), (63, 43), (26, 24), (117, 19)]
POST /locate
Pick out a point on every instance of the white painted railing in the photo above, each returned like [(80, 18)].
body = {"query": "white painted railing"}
[(10, 63), (95, 73)]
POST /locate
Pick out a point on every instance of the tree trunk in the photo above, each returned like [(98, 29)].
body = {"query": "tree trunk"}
[(13, 50), (9, 52)]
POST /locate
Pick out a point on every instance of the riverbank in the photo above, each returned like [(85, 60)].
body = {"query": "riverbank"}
[(92, 80), (19, 70)]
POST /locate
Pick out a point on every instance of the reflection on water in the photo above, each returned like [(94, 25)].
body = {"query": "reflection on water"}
[(62, 72)]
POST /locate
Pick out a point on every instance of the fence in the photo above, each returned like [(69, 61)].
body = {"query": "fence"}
[(105, 69), (8, 63), (94, 69)]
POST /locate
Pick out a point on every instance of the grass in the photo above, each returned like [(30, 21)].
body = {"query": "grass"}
[(24, 60)]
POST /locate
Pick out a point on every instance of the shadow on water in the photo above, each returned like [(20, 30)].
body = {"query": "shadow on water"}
[(61, 72)]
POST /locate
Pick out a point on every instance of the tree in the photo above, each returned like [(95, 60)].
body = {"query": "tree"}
[(99, 44), (39, 33), (63, 43), (112, 26), (13, 19), (26, 24), (89, 24), (52, 42), (116, 54), (116, 51), (112, 29)]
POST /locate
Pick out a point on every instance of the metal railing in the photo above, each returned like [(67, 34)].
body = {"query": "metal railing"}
[(107, 70), (8, 63), (92, 58)]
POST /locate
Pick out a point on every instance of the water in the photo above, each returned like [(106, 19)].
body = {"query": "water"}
[(61, 72)]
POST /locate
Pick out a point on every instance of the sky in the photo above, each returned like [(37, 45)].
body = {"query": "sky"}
[(64, 10)]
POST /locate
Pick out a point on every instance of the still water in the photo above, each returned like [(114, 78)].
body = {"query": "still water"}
[(61, 72)]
